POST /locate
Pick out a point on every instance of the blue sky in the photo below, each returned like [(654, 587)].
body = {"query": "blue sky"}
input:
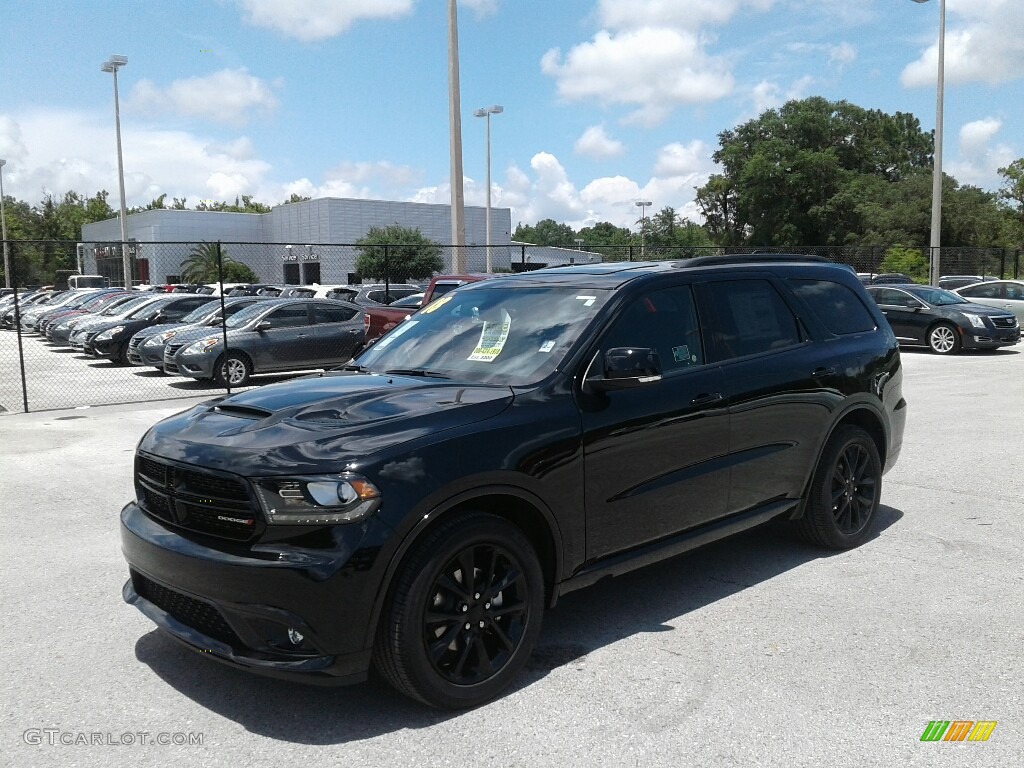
[(605, 101)]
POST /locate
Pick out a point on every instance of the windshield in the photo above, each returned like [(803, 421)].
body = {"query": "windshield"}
[(126, 307), (243, 316), (201, 313), (144, 311), (938, 297), (496, 335)]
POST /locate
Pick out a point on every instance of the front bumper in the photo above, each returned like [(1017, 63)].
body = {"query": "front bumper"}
[(109, 349), (143, 355), (237, 606), (978, 338), (198, 365)]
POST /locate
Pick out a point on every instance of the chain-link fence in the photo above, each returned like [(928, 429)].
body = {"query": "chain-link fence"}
[(50, 361)]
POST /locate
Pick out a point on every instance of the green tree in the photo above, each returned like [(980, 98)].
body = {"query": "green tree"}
[(785, 172), (397, 253), (237, 272), (1011, 195), (201, 266), (294, 198), (545, 232), (908, 261)]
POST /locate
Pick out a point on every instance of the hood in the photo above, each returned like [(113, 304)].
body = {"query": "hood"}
[(979, 309), (320, 423)]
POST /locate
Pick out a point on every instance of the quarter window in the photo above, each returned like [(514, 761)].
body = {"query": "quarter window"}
[(839, 308)]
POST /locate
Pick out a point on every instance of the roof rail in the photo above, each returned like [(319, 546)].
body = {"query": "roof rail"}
[(750, 258)]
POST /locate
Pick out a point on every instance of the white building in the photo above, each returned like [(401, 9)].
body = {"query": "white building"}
[(305, 242)]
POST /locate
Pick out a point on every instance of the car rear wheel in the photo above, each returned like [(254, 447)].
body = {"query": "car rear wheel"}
[(847, 484), (944, 340), (464, 614), (233, 370)]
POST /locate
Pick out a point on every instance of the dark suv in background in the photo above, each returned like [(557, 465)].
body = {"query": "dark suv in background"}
[(516, 439)]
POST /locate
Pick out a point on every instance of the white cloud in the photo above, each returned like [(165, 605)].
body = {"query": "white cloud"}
[(692, 14), (979, 157), (181, 164), (684, 159), (228, 96), (310, 20), (766, 95), (654, 69), (839, 54), (983, 44), (481, 8), (595, 143)]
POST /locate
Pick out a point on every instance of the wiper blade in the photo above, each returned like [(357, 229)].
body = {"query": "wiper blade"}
[(415, 372)]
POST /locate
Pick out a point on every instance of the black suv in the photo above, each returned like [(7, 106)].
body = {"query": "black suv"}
[(514, 440)]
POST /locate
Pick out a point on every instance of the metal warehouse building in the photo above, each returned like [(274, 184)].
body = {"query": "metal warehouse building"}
[(304, 242)]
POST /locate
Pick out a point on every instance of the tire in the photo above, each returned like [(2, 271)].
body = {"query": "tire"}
[(454, 649), (943, 339), (842, 506), (233, 370)]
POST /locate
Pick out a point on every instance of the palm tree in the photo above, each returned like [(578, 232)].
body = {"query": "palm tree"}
[(201, 266)]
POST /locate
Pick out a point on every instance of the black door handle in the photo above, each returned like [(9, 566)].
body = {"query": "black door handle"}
[(707, 399), (819, 372)]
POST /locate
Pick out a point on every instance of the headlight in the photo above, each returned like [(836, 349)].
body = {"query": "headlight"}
[(160, 339), (976, 320), (203, 345), (109, 333), (316, 500)]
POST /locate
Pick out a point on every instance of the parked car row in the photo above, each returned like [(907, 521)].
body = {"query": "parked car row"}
[(225, 339)]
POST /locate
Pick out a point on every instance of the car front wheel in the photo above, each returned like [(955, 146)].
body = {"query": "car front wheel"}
[(943, 339), (847, 484), (464, 613), (233, 370)]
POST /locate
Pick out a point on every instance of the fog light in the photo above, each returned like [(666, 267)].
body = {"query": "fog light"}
[(295, 636)]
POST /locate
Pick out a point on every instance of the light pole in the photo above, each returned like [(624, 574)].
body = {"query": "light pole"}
[(455, 144), (112, 65), (642, 205), (3, 228), (936, 236), (486, 112)]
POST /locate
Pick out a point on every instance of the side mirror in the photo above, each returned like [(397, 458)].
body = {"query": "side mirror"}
[(628, 367), (263, 326)]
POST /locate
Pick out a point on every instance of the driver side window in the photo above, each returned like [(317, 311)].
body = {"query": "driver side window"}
[(665, 321)]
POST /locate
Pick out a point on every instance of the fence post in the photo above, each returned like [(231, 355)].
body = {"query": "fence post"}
[(387, 273), (17, 327), (223, 318)]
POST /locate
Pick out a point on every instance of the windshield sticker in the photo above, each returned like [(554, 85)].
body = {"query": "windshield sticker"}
[(588, 301), (492, 340), (436, 304), (547, 346), (395, 332), (682, 355)]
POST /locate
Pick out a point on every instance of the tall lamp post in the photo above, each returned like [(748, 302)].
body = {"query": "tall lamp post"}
[(642, 205), (486, 112), (112, 65), (3, 228), (455, 144), (936, 236)]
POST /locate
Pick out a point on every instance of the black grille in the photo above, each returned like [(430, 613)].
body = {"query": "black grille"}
[(135, 342), (198, 614), (171, 349), (1003, 322), (195, 499)]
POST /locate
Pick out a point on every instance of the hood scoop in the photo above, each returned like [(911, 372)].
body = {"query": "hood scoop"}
[(242, 411)]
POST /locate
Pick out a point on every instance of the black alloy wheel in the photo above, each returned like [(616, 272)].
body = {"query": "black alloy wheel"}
[(464, 614), (845, 491)]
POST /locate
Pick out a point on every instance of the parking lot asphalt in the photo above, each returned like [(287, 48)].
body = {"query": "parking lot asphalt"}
[(755, 651)]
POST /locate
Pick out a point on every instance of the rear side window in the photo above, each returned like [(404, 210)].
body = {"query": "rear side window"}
[(838, 307), (748, 317), (983, 291), (325, 314)]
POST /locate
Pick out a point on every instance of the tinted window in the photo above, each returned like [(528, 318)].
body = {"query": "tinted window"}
[(1014, 291), (983, 291), (442, 288), (665, 321), (749, 317), (893, 298), (343, 293), (839, 308), (323, 313), (291, 316)]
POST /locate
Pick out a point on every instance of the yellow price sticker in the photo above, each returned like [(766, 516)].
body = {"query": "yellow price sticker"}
[(436, 304)]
